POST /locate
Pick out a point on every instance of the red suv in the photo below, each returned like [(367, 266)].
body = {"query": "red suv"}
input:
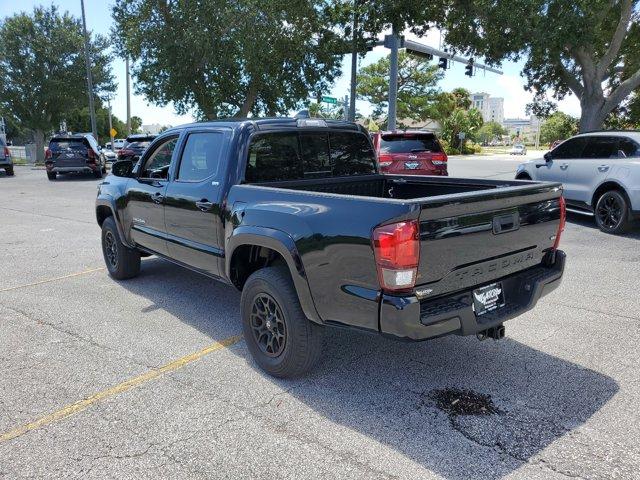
[(410, 153)]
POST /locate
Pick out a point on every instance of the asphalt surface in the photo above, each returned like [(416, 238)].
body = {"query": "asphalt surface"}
[(81, 395)]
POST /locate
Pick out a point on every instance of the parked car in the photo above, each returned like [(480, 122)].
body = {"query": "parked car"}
[(600, 172), (118, 143), (294, 213), (5, 159), (518, 149), (76, 153), (109, 155), (134, 146), (409, 153)]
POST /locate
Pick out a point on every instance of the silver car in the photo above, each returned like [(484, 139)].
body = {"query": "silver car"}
[(600, 172)]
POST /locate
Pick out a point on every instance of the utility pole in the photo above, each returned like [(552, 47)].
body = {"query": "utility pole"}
[(87, 61), (354, 65), (392, 41), (113, 148), (126, 62)]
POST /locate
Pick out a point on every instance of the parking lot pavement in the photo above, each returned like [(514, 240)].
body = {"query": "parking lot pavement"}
[(148, 378)]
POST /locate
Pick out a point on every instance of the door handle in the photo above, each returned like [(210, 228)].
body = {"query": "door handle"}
[(204, 205), (158, 198), (564, 166), (603, 168)]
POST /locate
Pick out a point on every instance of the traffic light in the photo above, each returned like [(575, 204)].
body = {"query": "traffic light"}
[(468, 70), (442, 63)]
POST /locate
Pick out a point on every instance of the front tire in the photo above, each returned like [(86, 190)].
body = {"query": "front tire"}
[(613, 214), (52, 175), (122, 262), (9, 171), (282, 341)]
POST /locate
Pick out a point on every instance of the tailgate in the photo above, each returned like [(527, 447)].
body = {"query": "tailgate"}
[(470, 239)]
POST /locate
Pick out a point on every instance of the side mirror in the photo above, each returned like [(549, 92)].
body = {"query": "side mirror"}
[(122, 168), (548, 157)]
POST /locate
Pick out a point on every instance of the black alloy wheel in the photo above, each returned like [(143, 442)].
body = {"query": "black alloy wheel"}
[(268, 326), (612, 212), (111, 249)]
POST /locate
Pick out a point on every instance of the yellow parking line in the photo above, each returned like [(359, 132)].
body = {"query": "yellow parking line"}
[(120, 388), (52, 279)]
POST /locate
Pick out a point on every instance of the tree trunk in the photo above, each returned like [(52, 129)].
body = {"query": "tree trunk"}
[(250, 99), (39, 139), (593, 113)]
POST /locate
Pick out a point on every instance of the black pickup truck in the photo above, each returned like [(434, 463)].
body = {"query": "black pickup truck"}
[(294, 213)]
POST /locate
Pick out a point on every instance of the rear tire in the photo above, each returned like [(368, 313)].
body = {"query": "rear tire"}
[(98, 173), (282, 341), (613, 214), (52, 175), (523, 176), (9, 171), (122, 262)]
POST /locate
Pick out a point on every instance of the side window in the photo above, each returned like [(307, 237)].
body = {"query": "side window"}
[(273, 157), (351, 154), (627, 148), (601, 147), (315, 155), (157, 164), (571, 148), (201, 156)]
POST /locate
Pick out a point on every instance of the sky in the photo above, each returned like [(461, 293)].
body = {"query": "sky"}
[(509, 85)]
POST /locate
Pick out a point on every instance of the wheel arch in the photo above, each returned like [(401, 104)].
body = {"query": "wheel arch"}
[(605, 187), (105, 209), (252, 248)]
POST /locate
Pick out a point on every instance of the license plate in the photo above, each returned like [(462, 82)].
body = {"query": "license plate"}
[(488, 298), (411, 165)]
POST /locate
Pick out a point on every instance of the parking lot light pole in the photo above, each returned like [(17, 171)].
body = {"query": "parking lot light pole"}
[(87, 61), (126, 63), (113, 149), (354, 66), (391, 42)]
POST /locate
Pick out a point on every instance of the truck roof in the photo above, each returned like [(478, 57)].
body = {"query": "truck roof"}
[(275, 123)]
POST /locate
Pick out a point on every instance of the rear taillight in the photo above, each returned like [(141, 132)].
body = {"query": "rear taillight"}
[(92, 156), (397, 251), (47, 153), (439, 158), (7, 153), (563, 221), (385, 160)]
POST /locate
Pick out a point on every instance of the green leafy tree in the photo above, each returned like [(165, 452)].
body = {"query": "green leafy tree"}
[(318, 110), (42, 70), (418, 95), (588, 47), (559, 126), (223, 58), (136, 124), (460, 121), (79, 120), (490, 131)]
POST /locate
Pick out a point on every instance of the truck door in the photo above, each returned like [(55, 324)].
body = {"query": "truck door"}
[(146, 194), (193, 212)]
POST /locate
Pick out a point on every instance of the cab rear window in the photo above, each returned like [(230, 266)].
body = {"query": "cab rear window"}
[(297, 155), (409, 143)]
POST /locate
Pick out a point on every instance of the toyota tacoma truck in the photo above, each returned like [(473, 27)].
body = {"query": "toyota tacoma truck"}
[(294, 213)]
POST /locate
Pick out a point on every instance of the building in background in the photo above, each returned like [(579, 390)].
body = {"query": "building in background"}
[(153, 128), (526, 129), (491, 108)]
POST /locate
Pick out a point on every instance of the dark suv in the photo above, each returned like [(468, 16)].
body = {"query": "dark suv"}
[(5, 158), (134, 146), (74, 154)]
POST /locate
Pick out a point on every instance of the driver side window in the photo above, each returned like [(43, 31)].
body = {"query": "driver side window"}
[(157, 165)]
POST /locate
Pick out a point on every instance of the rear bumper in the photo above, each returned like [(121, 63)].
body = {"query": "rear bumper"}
[(411, 319), (5, 162), (78, 169)]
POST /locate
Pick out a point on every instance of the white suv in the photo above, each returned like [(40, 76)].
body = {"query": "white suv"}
[(600, 172)]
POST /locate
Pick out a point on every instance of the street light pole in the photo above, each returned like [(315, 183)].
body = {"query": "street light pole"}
[(126, 62), (87, 61), (113, 148), (393, 79), (354, 65)]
